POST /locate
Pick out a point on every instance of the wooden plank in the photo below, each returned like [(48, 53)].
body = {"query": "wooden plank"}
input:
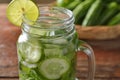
[(8, 38), (8, 53), (107, 63)]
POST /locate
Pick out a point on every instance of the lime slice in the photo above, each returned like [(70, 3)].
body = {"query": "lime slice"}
[(17, 8), (54, 68)]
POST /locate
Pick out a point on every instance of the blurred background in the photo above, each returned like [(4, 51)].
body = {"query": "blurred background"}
[(39, 1)]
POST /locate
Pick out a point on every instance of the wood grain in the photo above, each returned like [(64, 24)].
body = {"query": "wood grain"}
[(98, 32)]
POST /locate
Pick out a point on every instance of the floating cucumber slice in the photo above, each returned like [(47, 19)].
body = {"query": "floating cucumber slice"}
[(54, 68), (60, 41), (33, 54), (29, 52), (51, 46), (53, 52)]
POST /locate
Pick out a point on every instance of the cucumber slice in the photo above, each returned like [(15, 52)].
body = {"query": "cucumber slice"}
[(33, 54), (53, 52), (60, 41), (29, 52), (54, 68)]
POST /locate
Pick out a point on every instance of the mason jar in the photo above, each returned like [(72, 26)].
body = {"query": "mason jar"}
[(47, 47)]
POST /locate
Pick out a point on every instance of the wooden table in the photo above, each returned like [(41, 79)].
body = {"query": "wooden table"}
[(107, 61)]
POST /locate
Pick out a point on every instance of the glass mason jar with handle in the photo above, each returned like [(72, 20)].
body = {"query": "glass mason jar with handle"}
[(47, 47)]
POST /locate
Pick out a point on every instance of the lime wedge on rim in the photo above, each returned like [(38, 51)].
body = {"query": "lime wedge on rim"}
[(17, 8)]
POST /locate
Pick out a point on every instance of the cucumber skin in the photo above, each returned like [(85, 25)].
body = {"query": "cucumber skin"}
[(115, 20), (73, 4), (63, 3), (81, 10), (108, 13), (93, 13)]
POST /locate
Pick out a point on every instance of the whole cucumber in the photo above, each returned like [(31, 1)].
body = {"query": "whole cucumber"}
[(82, 9), (73, 4), (63, 3), (115, 20), (108, 13), (93, 14)]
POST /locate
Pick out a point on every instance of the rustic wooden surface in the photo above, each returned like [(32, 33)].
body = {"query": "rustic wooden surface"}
[(107, 60)]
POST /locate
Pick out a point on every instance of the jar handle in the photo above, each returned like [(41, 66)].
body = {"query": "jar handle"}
[(84, 47)]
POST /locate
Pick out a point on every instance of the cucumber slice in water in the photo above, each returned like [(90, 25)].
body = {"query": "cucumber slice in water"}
[(54, 68), (29, 52), (33, 55), (53, 52), (60, 41)]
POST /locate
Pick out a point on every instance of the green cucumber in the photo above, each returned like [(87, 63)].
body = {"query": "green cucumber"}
[(81, 9), (54, 68), (93, 13), (63, 3), (115, 20), (73, 4), (108, 13)]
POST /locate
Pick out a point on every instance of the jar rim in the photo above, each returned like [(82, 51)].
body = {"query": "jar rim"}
[(51, 12)]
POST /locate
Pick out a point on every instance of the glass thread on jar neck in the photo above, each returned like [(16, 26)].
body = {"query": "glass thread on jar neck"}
[(50, 19)]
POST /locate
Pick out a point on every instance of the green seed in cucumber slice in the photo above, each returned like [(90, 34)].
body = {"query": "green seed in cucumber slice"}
[(54, 68)]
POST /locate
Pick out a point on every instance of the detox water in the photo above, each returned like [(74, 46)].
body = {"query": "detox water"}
[(47, 58), (47, 47)]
